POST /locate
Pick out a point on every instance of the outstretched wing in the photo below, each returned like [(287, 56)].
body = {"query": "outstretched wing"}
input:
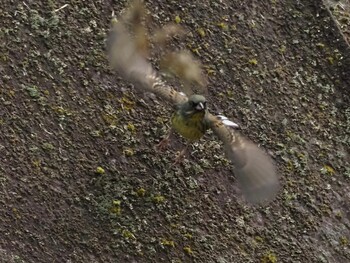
[(130, 63), (253, 168)]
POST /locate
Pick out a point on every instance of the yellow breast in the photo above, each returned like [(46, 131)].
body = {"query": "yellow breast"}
[(191, 127)]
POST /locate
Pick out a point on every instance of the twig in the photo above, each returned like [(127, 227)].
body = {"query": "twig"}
[(58, 9)]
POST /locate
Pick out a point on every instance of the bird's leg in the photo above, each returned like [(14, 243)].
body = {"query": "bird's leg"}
[(180, 157), (164, 143)]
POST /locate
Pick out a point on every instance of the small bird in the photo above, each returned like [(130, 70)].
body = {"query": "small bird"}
[(253, 168), (189, 118)]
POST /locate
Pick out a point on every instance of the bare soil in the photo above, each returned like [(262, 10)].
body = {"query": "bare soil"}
[(81, 181)]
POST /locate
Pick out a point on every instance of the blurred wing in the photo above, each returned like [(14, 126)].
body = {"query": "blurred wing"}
[(253, 168), (129, 62)]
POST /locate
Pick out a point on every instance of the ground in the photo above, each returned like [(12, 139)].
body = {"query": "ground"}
[(81, 181)]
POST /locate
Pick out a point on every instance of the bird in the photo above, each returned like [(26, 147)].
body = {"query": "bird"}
[(188, 119), (254, 169)]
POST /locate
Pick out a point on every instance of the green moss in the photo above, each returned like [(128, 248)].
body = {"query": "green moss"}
[(188, 250), (110, 119), (33, 91), (344, 241), (116, 207), (96, 133), (223, 26), (330, 60), (269, 257), (127, 104), (127, 151), (320, 45), (100, 170), (259, 239), (48, 146), (282, 49), (16, 213), (338, 215), (188, 235), (326, 169), (141, 192), (168, 243), (61, 111), (36, 163), (201, 32), (158, 199), (177, 19), (128, 234), (131, 127), (253, 62)]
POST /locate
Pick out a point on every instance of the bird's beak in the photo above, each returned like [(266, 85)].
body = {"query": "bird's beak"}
[(200, 106)]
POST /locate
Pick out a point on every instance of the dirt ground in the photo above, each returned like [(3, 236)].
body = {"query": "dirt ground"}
[(81, 181), (340, 10)]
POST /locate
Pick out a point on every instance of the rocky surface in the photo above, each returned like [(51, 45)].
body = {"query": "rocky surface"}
[(81, 181)]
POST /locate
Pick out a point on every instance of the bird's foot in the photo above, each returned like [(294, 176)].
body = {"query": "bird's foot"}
[(163, 144), (180, 157)]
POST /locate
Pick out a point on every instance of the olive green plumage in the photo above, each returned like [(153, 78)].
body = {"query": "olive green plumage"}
[(253, 168), (188, 119)]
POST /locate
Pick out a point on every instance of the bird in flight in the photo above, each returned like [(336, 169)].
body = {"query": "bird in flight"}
[(253, 168)]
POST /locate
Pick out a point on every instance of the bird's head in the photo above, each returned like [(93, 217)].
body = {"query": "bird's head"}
[(195, 104)]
